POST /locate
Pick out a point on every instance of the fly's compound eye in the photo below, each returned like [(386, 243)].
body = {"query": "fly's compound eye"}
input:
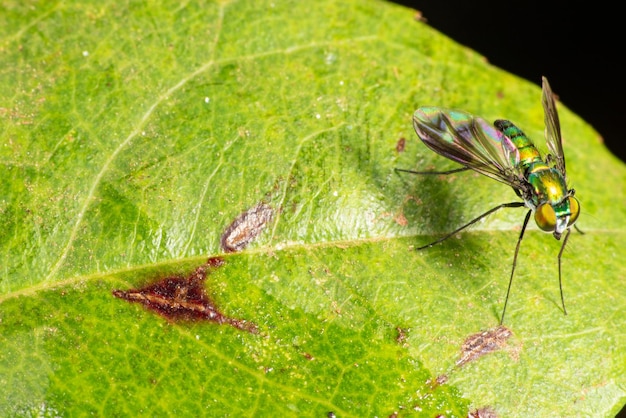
[(545, 217), (574, 208)]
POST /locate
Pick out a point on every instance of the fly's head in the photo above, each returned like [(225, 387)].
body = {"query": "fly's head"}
[(556, 208), (558, 217)]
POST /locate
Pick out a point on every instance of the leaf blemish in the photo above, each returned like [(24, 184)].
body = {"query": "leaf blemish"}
[(438, 381), (486, 412), (400, 145), (245, 228), (401, 336), (479, 344), (184, 298)]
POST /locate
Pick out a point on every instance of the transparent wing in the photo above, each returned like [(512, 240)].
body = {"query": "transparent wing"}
[(553, 127), (470, 141)]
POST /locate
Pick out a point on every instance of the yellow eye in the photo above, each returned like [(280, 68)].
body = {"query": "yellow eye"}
[(574, 208), (545, 217)]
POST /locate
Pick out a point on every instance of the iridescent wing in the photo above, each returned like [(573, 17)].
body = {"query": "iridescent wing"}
[(553, 127), (470, 141)]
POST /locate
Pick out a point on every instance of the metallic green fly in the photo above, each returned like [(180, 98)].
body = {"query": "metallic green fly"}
[(504, 153)]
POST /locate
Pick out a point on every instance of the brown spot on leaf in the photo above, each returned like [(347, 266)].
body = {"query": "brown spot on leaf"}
[(401, 336), (183, 298), (215, 262), (418, 16), (401, 219), (438, 381), (477, 345), (400, 145), (245, 228), (486, 412)]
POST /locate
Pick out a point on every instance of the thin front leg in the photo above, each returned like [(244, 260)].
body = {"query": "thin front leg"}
[(560, 254), (519, 242), (473, 221), (456, 170)]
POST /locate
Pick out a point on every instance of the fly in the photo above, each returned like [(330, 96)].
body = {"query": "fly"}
[(504, 153)]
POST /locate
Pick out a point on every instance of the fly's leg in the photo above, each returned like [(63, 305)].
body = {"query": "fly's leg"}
[(560, 254), (519, 242), (473, 221), (456, 170)]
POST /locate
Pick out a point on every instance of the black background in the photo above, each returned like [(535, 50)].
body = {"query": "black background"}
[(580, 50)]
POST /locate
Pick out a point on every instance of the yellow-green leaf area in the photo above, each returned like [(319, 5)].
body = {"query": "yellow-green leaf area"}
[(133, 134)]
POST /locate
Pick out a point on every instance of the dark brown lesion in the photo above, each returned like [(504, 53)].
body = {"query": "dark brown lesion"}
[(485, 342), (184, 298)]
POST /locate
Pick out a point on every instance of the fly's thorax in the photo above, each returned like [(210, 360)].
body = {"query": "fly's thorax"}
[(556, 209), (548, 184)]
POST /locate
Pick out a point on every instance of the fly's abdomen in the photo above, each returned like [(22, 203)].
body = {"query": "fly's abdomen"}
[(528, 154)]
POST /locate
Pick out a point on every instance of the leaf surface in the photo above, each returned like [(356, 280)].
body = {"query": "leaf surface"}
[(134, 134)]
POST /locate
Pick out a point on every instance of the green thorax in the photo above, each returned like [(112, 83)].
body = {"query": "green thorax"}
[(549, 187)]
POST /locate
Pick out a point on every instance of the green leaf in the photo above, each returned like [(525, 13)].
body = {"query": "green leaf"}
[(134, 133)]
